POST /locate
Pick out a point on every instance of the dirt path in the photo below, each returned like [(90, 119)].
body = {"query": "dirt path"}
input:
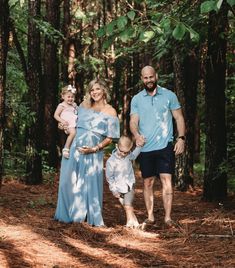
[(29, 237)]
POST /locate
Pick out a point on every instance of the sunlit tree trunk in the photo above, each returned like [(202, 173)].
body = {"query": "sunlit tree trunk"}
[(50, 85), (4, 36), (215, 176), (34, 132)]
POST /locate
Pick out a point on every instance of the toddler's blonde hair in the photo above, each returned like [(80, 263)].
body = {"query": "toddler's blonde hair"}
[(125, 141)]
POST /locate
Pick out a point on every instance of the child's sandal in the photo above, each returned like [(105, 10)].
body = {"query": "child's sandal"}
[(65, 153)]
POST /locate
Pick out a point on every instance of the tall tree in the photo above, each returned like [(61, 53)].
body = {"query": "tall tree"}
[(215, 176), (4, 36), (66, 24), (186, 81), (34, 135), (50, 83)]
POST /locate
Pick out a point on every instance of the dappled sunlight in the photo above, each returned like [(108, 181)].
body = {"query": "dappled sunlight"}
[(29, 237), (30, 244), (164, 124), (106, 255)]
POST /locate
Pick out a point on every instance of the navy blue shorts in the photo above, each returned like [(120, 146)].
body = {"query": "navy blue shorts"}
[(156, 162)]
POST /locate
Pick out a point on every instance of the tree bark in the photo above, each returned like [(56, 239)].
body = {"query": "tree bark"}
[(186, 81), (215, 176), (65, 48), (4, 36), (34, 132), (51, 84)]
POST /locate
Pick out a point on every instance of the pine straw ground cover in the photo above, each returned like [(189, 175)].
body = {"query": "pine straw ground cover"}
[(29, 237)]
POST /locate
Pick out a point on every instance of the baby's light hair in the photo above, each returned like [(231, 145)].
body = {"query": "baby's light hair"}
[(125, 141), (67, 89)]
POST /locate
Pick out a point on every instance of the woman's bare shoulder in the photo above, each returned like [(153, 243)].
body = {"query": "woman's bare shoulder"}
[(85, 104), (110, 110)]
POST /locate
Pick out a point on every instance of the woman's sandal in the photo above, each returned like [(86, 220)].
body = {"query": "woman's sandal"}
[(65, 153)]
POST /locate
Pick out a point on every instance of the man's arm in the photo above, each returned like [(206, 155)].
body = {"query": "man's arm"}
[(134, 127), (180, 124)]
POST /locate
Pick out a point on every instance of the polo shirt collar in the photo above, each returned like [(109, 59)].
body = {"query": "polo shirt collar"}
[(159, 91)]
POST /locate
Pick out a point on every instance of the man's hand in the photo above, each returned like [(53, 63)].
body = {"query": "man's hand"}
[(140, 140), (179, 147)]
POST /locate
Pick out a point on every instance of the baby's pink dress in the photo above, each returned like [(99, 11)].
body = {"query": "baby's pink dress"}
[(69, 114)]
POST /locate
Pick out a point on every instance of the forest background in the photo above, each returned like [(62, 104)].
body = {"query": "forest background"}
[(45, 45)]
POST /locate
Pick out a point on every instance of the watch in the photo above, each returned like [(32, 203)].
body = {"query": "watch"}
[(182, 138)]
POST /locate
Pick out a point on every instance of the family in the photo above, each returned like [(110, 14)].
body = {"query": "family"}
[(92, 126)]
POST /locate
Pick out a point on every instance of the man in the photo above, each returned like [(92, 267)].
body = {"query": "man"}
[(152, 111)]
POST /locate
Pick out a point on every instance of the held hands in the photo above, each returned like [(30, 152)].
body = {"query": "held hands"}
[(140, 140), (179, 147)]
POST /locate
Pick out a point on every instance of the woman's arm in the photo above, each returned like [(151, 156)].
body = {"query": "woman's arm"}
[(95, 149)]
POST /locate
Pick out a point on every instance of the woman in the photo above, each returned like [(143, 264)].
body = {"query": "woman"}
[(81, 176)]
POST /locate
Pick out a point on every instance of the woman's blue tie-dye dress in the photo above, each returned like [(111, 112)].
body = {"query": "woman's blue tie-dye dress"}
[(80, 194)]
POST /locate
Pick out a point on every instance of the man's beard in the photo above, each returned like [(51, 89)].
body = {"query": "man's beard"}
[(153, 86)]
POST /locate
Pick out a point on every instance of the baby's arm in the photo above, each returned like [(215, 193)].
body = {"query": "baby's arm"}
[(57, 114), (109, 172)]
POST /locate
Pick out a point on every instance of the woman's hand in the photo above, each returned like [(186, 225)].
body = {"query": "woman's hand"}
[(87, 150)]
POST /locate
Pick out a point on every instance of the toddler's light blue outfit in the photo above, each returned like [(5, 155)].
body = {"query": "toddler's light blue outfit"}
[(119, 171)]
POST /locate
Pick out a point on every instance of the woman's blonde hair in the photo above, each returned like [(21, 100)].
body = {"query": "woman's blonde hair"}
[(103, 86)]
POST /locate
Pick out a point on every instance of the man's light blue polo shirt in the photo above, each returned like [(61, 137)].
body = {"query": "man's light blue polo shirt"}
[(155, 117)]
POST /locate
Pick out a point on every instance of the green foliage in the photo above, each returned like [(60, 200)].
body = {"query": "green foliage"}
[(179, 31), (155, 28), (231, 184), (209, 6), (122, 22), (231, 2), (40, 202), (131, 15), (48, 30), (79, 14), (214, 5)]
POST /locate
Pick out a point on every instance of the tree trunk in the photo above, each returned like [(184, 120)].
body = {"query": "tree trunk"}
[(4, 36), (66, 43), (186, 81), (51, 85), (34, 133), (215, 176), (127, 98)]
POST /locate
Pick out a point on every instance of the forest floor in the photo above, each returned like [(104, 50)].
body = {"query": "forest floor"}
[(29, 237)]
